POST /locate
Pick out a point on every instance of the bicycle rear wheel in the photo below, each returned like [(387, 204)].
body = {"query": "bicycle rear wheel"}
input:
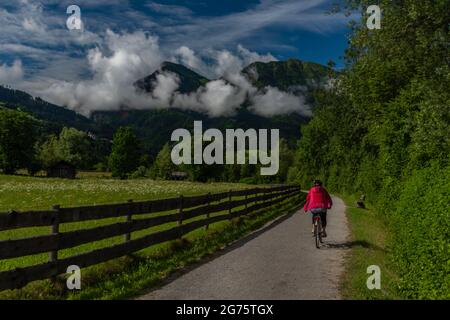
[(320, 232), (317, 234)]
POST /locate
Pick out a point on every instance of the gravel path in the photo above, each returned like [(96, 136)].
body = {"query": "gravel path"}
[(279, 261)]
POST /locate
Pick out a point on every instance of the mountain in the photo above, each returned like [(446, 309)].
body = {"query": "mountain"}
[(287, 75), (189, 80), (154, 127), (53, 116)]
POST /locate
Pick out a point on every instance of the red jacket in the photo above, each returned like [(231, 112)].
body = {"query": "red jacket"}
[(318, 197)]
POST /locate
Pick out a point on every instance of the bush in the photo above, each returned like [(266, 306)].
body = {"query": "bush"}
[(72, 145), (141, 172), (421, 228), (101, 167), (17, 139), (248, 180), (124, 157)]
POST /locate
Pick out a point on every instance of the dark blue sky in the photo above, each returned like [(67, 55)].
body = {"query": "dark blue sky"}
[(283, 40), (311, 40), (285, 29)]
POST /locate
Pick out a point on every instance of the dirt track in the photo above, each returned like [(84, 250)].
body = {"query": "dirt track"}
[(278, 261)]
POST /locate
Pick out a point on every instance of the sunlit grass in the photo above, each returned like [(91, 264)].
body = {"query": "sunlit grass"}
[(31, 193), (370, 238)]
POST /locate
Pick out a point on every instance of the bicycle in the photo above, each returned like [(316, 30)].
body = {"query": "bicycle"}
[(317, 229)]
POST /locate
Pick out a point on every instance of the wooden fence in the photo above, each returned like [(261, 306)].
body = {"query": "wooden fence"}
[(249, 200)]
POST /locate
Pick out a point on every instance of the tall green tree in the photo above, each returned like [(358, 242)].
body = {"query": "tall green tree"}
[(72, 145), (125, 154), (17, 140), (163, 165)]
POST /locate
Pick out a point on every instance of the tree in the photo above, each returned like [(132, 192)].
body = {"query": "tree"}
[(17, 140), (49, 152), (163, 165), (286, 161), (76, 147), (72, 145), (124, 158)]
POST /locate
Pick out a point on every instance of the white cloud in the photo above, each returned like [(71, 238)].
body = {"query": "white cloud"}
[(10, 75), (221, 62), (187, 57), (233, 28), (30, 25), (250, 56), (132, 56), (169, 9), (224, 96), (166, 84), (217, 98), (135, 55), (271, 101)]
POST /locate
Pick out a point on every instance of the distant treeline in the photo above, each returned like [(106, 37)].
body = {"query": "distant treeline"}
[(24, 145), (126, 161)]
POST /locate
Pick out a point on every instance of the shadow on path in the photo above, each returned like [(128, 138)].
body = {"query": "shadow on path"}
[(351, 244)]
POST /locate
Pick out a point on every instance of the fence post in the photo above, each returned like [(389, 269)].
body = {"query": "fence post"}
[(267, 193), (53, 255), (264, 197), (207, 208), (180, 218), (246, 206), (128, 218), (229, 203)]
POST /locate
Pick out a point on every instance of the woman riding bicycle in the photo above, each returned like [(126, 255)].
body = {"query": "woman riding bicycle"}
[(318, 201)]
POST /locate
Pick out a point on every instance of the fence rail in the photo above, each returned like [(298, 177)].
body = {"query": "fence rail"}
[(188, 208)]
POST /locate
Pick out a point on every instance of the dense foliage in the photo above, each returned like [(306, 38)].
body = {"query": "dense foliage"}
[(163, 167), (72, 146), (125, 155), (53, 116), (284, 75), (17, 139), (383, 130)]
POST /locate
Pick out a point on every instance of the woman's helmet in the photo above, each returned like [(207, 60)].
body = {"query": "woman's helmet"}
[(317, 182)]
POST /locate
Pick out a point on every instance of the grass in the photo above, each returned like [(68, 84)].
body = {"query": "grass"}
[(370, 238), (26, 193), (32, 193)]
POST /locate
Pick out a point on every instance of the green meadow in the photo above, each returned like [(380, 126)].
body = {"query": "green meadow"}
[(37, 193), (27, 193), (23, 193)]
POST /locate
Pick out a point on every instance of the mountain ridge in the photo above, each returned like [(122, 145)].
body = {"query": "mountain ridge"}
[(189, 80), (154, 127)]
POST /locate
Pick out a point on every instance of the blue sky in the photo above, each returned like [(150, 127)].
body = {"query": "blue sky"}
[(126, 38)]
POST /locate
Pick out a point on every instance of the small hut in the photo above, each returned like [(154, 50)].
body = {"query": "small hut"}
[(62, 169), (178, 175)]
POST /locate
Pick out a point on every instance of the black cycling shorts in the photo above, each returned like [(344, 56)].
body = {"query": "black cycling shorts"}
[(323, 215)]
